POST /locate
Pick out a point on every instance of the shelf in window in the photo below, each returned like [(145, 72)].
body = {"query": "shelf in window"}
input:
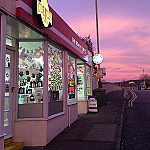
[(31, 87), (25, 94)]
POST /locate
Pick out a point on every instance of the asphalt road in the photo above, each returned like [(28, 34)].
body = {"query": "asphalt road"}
[(136, 126)]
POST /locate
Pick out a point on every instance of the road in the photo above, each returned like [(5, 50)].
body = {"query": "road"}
[(136, 128)]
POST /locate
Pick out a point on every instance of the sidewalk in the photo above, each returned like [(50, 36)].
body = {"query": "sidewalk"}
[(93, 131)]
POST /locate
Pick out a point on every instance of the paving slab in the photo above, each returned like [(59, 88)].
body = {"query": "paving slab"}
[(100, 132)]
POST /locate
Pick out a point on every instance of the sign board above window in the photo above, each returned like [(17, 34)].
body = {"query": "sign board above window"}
[(42, 13)]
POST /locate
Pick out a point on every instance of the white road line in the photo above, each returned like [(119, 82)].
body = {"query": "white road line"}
[(130, 102)]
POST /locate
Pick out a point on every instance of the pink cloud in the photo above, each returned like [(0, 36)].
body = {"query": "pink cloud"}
[(125, 62)]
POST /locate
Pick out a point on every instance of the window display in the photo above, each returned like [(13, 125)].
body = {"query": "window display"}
[(55, 73), (55, 83), (71, 80), (80, 82), (30, 79), (7, 90), (88, 78)]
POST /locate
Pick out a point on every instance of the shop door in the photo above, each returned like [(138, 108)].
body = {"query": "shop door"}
[(8, 93)]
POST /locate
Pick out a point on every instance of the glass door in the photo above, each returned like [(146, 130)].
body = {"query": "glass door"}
[(8, 93)]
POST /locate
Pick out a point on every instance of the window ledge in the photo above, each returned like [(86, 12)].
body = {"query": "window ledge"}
[(74, 103), (82, 100), (56, 115), (30, 119), (2, 135)]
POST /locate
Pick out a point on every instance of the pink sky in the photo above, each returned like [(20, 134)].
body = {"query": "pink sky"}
[(124, 30)]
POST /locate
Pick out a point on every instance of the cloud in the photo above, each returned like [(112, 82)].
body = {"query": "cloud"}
[(118, 25), (125, 43)]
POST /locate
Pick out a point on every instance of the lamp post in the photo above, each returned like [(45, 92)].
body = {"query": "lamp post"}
[(97, 27), (144, 84), (144, 79), (96, 8)]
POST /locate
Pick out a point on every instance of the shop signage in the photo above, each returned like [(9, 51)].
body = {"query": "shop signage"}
[(42, 13), (75, 42), (100, 73), (103, 71), (92, 105), (97, 58)]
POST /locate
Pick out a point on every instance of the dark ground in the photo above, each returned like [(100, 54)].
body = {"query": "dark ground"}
[(93, 131), (136, 128)]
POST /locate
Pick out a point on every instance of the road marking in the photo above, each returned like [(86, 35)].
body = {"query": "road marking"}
[(130, 102)]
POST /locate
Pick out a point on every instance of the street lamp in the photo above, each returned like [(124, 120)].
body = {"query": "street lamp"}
[(144, 85), (96, 8)]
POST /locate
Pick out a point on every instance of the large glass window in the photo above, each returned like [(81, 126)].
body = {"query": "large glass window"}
[(30, 79), (7, 89), (80, 82), (10, 41), (55, 83), (71, 80), (88, 79)]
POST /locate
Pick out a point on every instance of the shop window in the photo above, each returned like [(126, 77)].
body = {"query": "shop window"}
[(7, 90), (71, 80), (30, 79), (80, 82), (7, 68), (55, 83), (88, 79), (10, 41)]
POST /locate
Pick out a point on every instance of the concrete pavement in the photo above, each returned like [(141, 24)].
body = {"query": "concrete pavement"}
[(93, 131)]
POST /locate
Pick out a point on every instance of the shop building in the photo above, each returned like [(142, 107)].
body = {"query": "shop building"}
[(45, 73)]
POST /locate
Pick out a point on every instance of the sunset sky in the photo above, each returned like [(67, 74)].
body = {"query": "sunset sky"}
[(124, 30)]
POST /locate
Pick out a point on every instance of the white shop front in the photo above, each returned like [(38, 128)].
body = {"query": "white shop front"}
[(45, 74)]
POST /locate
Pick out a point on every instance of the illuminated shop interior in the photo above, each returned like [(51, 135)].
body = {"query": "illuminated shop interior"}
[(80, 79), (55, 80), (71, 77)]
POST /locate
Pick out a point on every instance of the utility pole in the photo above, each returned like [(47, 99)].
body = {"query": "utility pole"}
[(96, 8), (97, 28), (144, 79), (144, 84)]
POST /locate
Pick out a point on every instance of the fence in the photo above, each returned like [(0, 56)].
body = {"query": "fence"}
[(110, 87), (105, 85)]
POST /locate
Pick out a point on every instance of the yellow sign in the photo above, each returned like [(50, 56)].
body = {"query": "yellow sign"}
[(100, 73), (43, 10)]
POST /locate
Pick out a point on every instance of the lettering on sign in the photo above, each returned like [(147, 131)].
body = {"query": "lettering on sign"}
[(75, 42), (42, 13)]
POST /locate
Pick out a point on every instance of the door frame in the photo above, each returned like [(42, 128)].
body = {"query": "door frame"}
[(11, 50)]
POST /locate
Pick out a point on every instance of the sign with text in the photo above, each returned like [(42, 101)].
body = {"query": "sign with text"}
[(92, 105), (42, 13), (103, 71), (75, 42), (100, 73), (97, 59)]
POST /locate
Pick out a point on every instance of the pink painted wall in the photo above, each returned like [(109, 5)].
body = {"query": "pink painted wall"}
[(55, 126), (73, 112), (32, 133), (58, 124), (82, 107)]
